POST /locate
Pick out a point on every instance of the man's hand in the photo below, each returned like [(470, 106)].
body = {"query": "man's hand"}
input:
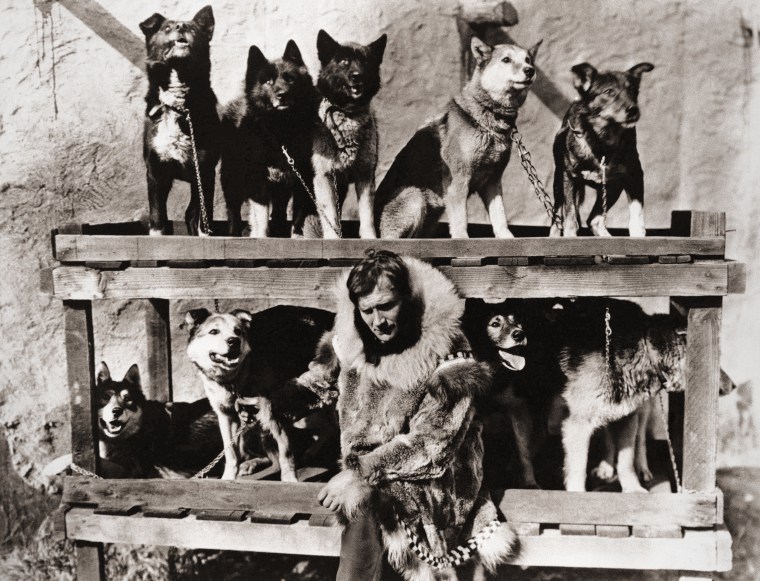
[(345, 493)]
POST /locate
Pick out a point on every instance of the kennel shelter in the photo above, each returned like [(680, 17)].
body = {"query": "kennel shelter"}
[(663, 530)]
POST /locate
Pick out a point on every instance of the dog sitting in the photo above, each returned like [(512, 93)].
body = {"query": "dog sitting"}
[(140, 438), (277, 109), (345, 139), (515, 338), (245, 359), (179, 93), (597, 142), (464, 151)]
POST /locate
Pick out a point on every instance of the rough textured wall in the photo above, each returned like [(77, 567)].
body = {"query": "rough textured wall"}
[(71, 117)]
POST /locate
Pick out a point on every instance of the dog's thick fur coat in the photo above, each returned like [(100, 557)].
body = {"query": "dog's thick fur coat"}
[(464, 151), (278, 109), (408, 427), (599, 130), (345, 138), (179, 68)]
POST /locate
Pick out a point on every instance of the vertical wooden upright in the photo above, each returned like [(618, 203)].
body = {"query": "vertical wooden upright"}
[(158, 330), (80, 359), (700, 433)]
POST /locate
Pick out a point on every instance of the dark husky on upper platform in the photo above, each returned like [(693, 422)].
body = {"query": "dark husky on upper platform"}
[(278, 109), (345, 139), (180, 106), (464, 151), (597, 142)]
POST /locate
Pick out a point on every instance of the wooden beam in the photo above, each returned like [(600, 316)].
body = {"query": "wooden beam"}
[(90, 560), (610, 508), (82, 248), (698, 550), (700, 439), (314, 287), (158, 384)]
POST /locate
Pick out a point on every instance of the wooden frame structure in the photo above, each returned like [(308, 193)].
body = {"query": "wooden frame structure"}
[(679, 532)]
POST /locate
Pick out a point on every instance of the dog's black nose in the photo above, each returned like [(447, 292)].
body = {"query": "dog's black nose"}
[(116, 411), (518, 335), (233, 342), (633, 111), (355, 75), (182, 26), (529, 72)]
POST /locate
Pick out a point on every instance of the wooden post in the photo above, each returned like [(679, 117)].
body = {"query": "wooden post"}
[(80, 361), (159, 373)]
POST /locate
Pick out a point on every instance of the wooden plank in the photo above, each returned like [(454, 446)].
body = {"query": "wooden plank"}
[(526, 529), (657, 532), (207, 494), (581, 530), (568, 260), (700, 440), (613, 531), (81, 377), (698, 550), (158, 384), (513, 261), (609, 508), (117, 509), (81, 248), (273, 517), (698, 224), (191, 533), (626, 259), (219, 515), (90, 560), (466, 261), (311, 473), (314, 287), (58, 519), (165, 512)]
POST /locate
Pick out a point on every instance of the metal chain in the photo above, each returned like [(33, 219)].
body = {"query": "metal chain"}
[(607, 350), (604, 188), (673, 464), (84, 472), (204, 216), (335, 227), (454, 557), (538, 186), (206, 469)]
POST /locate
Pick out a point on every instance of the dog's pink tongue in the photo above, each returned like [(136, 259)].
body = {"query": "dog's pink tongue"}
[(512, 361)]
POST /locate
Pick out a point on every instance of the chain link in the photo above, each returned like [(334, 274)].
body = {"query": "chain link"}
[(538, 186), (604, 188), (335, 227), (84, 472), (204, 216), (673, 464), (607, 350), (206, 469)]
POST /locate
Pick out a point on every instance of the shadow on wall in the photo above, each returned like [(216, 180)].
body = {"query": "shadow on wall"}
[(22, 508)]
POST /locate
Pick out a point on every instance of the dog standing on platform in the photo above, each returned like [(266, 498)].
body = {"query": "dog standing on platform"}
[(345, 138), (181, 135), (596, 146), (464, 151)]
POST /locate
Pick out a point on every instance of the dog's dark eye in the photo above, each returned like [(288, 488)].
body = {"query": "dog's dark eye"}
[(288, 78), (608, 91), (528, 60), (506, 59), (213, 332), (167, 28)]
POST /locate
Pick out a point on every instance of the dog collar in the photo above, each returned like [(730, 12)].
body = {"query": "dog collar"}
[(501, 135)]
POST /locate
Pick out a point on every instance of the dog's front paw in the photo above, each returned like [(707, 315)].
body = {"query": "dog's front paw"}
[(575, 485), (367, 233), (288, 476), (605, 471), (637, 232), (230, 473), (156, 232), (632, 485), (645, 475)]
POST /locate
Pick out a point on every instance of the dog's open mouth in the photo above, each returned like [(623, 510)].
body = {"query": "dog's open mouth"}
[(513, 358), (227, 361), (112, 428), (356, 90)]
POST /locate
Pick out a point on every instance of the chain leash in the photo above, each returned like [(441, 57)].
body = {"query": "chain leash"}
[(206, 469), (454, 557), (335, 227), (206, 229), (538, 186), (604, 188)]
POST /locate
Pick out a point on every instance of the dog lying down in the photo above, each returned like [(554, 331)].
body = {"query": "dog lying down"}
[(244, 361)]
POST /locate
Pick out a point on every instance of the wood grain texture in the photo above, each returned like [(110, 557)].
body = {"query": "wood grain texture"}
[(700, 440), (698, 550), (81, 377), (90, 560), (609, 508), (82, 248), (314, 287), (158, 382)]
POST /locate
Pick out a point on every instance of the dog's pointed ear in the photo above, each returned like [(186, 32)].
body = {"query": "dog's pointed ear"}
[(149, 26), (102, 373), (377, 48), (205, 19), (637, 70), (583, 76), (256, 62), (326, 47), (243, 316), (480, 50), (293, 54), (533, 50), (132, 376), (194, 318)]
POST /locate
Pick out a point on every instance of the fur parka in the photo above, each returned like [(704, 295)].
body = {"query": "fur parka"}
[(408, 427)]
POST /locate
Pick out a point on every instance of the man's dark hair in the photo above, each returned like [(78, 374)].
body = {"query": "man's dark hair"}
[(375, 265)]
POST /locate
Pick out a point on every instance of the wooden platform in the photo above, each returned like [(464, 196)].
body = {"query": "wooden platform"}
[(598, 530)]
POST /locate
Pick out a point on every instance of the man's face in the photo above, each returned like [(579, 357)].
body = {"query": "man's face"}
[(380, 310)]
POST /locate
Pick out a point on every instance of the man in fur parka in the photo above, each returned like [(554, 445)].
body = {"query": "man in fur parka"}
[(400, 368)]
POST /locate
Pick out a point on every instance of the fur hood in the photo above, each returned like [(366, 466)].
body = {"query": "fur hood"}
[(440, 329)]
